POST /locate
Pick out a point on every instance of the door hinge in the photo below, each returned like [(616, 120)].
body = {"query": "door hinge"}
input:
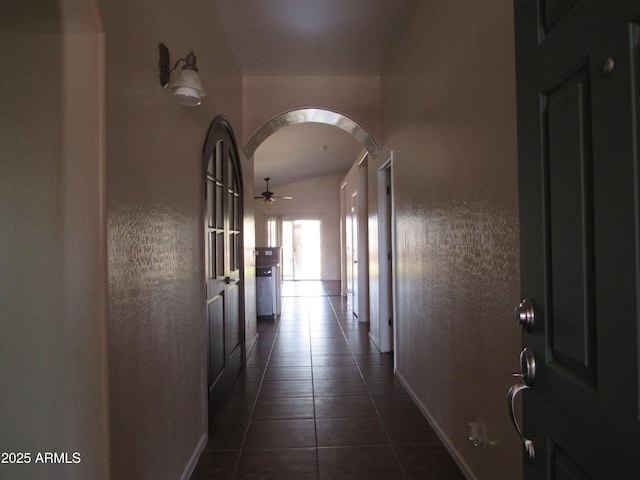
[(389, 256), (388, 190), (390, 322)]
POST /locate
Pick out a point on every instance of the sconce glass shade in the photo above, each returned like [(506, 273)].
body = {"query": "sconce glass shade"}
[(187, 88)]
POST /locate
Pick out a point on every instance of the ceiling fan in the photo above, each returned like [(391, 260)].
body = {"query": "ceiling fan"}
[(269, 197)]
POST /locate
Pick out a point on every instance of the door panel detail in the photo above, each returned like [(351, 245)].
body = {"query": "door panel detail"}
[(564, 468), (553, 11), (569, 185), (217, 352), (235, 328)]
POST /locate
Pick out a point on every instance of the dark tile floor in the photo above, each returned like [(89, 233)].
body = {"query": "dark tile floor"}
[(317, 401)]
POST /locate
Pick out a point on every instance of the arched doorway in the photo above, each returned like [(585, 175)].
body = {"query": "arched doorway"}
[(314, 115), (321, 116), (334, 263)]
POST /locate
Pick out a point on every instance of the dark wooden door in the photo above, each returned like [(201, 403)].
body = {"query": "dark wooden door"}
[(577, 64), (223, 260)]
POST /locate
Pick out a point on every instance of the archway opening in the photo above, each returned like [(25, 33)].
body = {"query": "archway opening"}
[(306, 154), (314, 115)]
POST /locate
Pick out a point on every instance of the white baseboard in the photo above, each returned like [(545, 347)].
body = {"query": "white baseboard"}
[(249, 348), (193, 461), (464, 467), (373, 339)]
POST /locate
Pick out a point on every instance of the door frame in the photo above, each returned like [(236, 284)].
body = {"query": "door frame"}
[(363, 239), (344, 287), (354, 233), (386, 243)]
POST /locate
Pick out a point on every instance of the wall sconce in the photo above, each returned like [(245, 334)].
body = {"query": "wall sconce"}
[(187, 87)]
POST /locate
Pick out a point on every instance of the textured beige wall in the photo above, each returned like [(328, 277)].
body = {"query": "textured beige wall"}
[(154, 174), (449, 118), (355, 97), (53, 368)]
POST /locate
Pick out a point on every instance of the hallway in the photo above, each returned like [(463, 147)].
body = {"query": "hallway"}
[(317, 401)]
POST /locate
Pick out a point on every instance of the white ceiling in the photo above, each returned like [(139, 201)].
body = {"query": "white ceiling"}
[(303, 151), (309, 37)]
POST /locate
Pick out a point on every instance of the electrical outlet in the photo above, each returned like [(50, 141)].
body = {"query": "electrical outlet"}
[(478, 435)]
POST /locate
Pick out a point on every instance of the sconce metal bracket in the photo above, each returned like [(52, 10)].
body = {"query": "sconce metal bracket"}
[(164, 64)]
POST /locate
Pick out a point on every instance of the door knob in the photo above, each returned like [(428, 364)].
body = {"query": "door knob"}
[(529, 449), (527, 367), (527, 374), (525, 315)]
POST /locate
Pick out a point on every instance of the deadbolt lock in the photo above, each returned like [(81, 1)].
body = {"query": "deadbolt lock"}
[(525, 316)]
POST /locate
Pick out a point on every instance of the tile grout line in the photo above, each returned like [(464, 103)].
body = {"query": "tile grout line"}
[(255, 401), (328, 341), (379, 417), (313, 392)]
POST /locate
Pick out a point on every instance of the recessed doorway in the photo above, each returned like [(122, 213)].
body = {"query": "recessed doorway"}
[(301, 245)]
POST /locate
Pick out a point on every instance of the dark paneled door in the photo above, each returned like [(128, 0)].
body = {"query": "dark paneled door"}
[(223, 260), (577, 84)]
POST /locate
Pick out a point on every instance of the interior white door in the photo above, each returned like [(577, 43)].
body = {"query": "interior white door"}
[(385, 333), (354, 254)]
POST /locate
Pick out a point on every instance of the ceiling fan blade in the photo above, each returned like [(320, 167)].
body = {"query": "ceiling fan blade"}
[(268, 196)]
